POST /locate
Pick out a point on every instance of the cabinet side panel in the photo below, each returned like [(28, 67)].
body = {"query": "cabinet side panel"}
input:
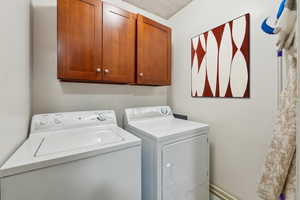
[(112, 176), (149, 164)]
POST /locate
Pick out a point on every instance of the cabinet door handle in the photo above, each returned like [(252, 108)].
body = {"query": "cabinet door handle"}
[(141, 74), (106, 71), (98, 70)]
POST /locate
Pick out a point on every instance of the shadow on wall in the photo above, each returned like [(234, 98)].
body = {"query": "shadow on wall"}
[(51, 95), (109, 89)]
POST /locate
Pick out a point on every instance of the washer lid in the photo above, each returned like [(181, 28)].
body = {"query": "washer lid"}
[(166, 128), (65, 141), (53, 148)]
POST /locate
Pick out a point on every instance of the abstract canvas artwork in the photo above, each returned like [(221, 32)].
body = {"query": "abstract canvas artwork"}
[(221, 61)]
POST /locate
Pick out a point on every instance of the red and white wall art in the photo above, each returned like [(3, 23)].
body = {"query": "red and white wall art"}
[(221, 61)]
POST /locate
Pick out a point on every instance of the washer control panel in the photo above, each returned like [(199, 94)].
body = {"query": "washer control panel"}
[(68, 120)]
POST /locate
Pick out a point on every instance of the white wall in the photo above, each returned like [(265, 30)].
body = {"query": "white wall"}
[(51, 95), (241, 129), (14, 74), (298, 112)]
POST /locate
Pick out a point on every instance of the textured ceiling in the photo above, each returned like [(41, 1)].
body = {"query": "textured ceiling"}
[(162, 8)]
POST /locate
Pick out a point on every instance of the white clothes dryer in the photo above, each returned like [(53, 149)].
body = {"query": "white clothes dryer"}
[(175, 154)]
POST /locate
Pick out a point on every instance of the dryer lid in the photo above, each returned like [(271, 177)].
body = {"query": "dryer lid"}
[(167, 128), (159, 123)]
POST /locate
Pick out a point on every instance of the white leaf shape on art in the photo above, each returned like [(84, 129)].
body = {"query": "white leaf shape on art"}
[(239, 75), (239, 31), (194, 75), (198, 77), (225, 58), (201, 77), (202, 40), (212, 61), (195, 41)]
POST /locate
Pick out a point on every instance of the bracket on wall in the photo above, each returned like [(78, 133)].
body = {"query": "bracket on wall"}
[(220, 193), (180, 116)]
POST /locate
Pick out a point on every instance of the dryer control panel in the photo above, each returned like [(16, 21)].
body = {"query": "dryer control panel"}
[(58, 121), (135, 114)]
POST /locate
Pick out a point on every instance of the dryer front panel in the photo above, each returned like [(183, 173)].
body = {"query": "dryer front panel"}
[(185, 169)]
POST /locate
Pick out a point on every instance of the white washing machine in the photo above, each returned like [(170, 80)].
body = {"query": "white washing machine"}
[(175, 154), (74, 156)]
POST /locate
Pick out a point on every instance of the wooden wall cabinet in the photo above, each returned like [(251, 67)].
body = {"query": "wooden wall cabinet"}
[(153, 52), (98, 42), (79, 40), (119, 33)]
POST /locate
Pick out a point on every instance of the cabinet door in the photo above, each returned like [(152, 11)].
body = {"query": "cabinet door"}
[(79, 40), (185, 167), (153, 52), (119, 33)]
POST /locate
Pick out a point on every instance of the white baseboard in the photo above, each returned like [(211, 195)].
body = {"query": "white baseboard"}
[(220, 193)]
